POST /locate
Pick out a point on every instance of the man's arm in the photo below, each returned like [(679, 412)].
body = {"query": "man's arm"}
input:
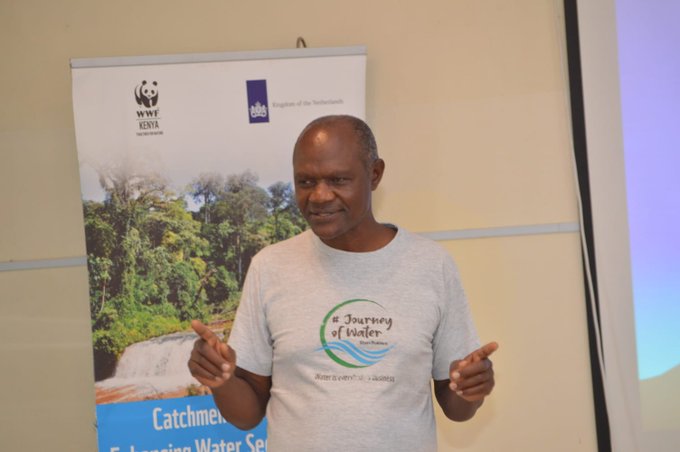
[(241, 396), (470, 381)]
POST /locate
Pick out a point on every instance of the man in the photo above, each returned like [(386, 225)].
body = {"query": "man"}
[(341, 329)]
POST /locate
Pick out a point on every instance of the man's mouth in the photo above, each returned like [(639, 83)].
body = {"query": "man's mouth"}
[(323, 214)]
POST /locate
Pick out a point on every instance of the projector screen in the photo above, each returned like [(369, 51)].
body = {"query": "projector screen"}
[(631, 93)]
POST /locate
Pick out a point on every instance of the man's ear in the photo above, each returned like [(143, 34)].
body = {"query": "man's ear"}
[(377, 170)]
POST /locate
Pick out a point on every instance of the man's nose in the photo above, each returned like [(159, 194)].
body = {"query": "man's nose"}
[(321, 193)]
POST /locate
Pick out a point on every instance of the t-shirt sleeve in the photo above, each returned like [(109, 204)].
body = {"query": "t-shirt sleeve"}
[(456, 335), (250, 336)]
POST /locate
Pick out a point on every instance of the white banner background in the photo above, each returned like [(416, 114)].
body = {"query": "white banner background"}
[(199, 123)]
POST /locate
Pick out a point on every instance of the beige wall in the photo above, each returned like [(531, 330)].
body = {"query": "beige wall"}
[(468, 100)]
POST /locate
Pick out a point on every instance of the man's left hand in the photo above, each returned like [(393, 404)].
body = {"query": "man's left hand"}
[(472, 377)]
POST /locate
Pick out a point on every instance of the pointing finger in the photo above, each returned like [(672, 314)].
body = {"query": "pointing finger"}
[(484, 351), (205, 332)]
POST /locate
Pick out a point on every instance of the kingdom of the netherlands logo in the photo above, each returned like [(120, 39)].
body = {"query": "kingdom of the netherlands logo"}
[(258, 104), (356, 333)]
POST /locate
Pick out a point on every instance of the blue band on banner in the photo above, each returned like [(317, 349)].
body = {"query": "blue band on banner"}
[(258, 105), (188, 424)]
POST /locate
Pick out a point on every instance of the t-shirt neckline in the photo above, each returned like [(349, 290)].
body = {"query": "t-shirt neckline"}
[(329, 250)]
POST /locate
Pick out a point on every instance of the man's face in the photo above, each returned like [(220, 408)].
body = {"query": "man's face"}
[(333, 184)]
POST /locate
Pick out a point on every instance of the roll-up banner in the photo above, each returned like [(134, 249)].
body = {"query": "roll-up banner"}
[(185, 171)]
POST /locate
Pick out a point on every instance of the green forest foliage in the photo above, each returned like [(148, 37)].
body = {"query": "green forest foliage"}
[(154, 265)]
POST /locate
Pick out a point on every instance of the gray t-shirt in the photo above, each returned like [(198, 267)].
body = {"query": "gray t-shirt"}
[(352, 341)]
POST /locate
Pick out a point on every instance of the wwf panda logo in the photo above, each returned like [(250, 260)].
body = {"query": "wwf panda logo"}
[(147, 94)]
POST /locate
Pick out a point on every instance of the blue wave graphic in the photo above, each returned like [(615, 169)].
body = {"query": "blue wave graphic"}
[(368, 357)]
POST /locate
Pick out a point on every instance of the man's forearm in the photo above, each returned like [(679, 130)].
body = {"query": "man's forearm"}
[(240, 403)]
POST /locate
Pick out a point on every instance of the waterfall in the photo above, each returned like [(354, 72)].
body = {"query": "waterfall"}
[(157, 357), (153, 367)]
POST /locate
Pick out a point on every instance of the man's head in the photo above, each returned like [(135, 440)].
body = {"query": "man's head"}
[(336, 167), (363, 134)]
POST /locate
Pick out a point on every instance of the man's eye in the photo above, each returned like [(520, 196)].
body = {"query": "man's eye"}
[(339, 180), (304, 183)]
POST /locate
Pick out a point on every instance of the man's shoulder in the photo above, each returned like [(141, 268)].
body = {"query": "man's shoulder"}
[(285, 248), (429, 254), (424, 245)]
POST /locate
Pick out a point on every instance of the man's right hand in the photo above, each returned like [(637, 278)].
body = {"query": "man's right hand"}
[(212, 362)]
